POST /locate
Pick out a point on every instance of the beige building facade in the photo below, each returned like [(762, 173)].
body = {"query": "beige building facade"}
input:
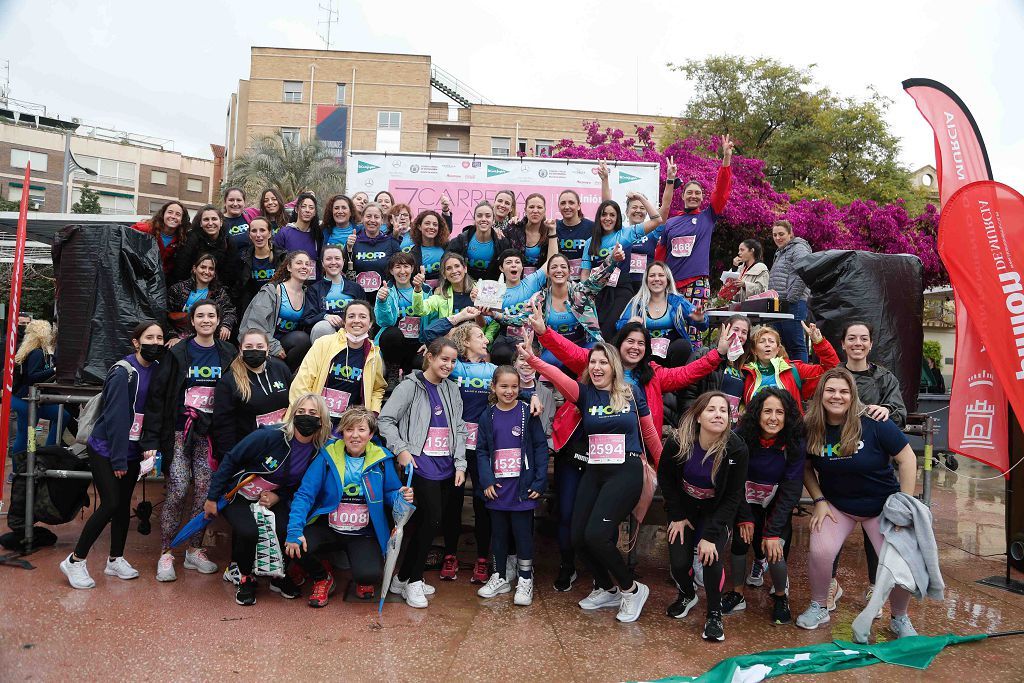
[(392, 102)]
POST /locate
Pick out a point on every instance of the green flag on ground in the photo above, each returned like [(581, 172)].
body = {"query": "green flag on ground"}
[(916, 652)]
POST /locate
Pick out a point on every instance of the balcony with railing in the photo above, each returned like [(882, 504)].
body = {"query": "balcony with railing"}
[(448, 116)]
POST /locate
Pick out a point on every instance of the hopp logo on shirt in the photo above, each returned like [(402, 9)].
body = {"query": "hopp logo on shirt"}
[(342, 371), (607, 410), (834, 451), (203, 372)]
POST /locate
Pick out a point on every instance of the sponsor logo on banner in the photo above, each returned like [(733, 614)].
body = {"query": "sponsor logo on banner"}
[(626, 178), (414, 168), (494, 170), (363, 167), (542, 173)]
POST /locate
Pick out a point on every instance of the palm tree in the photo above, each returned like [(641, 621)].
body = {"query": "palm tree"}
[(288, 167)]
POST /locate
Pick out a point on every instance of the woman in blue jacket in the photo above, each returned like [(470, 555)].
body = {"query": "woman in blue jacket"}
[(340, 504), (401, 332), (35, 357), (114, 456)]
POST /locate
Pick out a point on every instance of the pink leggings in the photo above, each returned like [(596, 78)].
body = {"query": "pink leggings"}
[(825, 545)]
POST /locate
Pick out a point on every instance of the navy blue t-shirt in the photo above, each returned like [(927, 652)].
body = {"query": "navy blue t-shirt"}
[(370, 260), (859, 483), (201, 376), (346, 374), (600, 419), (263, 270), (238, 229), (571, 241)]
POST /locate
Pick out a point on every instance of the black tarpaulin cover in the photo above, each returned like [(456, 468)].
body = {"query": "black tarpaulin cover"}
[(884, 290), (109, 278)]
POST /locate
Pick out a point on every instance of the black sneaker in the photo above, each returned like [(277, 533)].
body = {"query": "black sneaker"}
[(780, 611), (285, 587), (566, 578), (682, 606), (245, 594), (733, 602), (713, 629)]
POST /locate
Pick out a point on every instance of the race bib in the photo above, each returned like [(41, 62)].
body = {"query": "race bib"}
[(760, 494), (638, 263), (607, 449), (528, 271), (254, 488), (697, 492), (336, 400), (515, 331), (409, 326), (613, 279), (507, 463), (472, 429), (369, 280), (274, 418), (436, 445), (575, 265), (349, 517), (200, 398), (659, 346), (432, 283), (136, 431), (682, 246), (734, 407)]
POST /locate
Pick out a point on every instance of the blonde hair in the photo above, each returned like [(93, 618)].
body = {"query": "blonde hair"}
[(619, 392), (460, 336), (239, 370), (354, 416), (688, 434), (320, 438), (38, 335), (759, 332), (816, 422)]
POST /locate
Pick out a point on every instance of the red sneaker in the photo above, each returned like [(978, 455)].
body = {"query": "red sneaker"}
[(481, 571), (321, 592), (449, 568), (364, 592)]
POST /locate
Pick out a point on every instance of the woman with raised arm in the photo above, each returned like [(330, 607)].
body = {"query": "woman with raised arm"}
[(771, 367)]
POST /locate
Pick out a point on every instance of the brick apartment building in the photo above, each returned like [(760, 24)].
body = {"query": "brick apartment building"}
[(131, 179), (386, 102)]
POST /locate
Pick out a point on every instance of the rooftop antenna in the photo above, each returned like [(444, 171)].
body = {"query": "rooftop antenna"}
[(5, 81), (330, 16)]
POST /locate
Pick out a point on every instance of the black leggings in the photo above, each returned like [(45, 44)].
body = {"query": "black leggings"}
[(363, 553), (115, 506), (520, 524), (680, 558), (778, 570), (451, 521), (568, 473), (399, 350), (295, 345), (869, 554), (424, 525), (245, 533), (610, 303), (606, 496)]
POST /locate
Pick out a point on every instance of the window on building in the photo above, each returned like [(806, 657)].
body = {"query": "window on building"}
[(21, 157), (501, 147), (521, 147), (36, 195), (293, 91), (194, 185), (158, 177), (389, 120), (154, 206), (109, 171), (449, 145), (340, 97), (543, 147), (290, 136)]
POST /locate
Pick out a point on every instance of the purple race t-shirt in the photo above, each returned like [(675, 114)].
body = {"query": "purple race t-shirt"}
[(290, 475), (697, 480), (436, 467), (687, 242), (291, 238), (509, 430)]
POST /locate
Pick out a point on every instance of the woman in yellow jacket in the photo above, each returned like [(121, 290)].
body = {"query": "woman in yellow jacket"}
[(346, 367)]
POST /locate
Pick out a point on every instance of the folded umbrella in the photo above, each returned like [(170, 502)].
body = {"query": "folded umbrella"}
[(197, 524), (401, 511)]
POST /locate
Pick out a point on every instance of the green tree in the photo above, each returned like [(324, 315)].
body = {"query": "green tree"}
[(815, 144), (290, 168), (89, 202), (6, 205)]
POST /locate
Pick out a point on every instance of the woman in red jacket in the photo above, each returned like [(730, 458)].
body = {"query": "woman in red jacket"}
[(168, 227), (771, 366)]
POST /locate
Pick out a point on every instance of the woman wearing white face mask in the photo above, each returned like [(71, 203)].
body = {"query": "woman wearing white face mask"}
[(346, 367)]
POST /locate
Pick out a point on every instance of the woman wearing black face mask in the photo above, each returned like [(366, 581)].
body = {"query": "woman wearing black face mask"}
[(253, 394), (114, 455), (277, 456)]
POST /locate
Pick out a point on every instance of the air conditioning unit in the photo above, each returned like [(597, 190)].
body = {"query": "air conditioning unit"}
[(35, 206)]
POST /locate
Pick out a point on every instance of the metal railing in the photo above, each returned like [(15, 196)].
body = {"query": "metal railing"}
[(441, 76)]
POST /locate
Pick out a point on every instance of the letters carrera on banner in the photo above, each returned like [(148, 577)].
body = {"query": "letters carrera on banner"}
[(978, 420), (981, 241), (420, 179)]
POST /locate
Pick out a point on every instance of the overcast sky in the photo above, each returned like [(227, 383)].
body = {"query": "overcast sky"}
[(167, 69)]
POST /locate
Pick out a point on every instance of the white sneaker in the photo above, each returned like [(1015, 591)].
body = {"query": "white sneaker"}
[(633, 603), (867, 599), (757, 571), (398, 587), (165, 568), (232, 574), (835, 591), (77, 573), (698, 572), (599, 598), (120, 568), (524, 592), (512, 570), (815, 615), (494, 586), (413, 594), (195, 558), (901, 627)]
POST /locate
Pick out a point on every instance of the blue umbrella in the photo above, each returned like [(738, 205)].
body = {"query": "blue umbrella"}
[(197, 524), (401, 511)]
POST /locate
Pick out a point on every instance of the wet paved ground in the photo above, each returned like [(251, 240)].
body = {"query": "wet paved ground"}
[(192, 629)]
